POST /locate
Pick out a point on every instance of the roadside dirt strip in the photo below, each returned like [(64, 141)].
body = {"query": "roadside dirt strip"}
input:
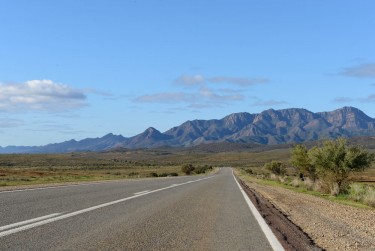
[(307, 222), (290, 235)]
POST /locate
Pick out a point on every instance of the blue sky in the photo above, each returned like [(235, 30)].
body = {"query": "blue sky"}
[(77, 69)]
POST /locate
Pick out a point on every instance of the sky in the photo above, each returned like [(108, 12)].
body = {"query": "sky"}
[(77, 69)]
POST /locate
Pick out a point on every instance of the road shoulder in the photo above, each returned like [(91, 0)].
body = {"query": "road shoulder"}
[(330, 225)]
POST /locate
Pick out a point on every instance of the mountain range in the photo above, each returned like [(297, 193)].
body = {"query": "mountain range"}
[(269, 127)]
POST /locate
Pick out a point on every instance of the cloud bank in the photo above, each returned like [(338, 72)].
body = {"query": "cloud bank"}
[(40, 95), (204, 94), (188, 81), (368, 99), (208, 92), (360, 71)]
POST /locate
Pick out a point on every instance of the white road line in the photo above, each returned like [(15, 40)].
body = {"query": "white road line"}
[(142, 192), (51, 187), (28, 221), (65, 216), (274, 242)]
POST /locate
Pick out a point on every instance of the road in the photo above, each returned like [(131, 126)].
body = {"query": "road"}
[(179, 213)]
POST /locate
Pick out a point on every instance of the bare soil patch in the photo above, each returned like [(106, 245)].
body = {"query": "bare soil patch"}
[(290, 235), (331, 226)]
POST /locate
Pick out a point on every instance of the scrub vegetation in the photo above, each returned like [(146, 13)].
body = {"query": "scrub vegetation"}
[(333, 168), (276, 162)]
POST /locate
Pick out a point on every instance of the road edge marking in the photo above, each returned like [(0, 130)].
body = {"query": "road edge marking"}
[(274, 242), (28, 221)]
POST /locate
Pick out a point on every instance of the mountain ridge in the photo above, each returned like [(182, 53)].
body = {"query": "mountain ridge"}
[(269, 127)]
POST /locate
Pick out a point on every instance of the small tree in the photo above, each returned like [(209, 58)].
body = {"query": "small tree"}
[(187, 169), (335, 160), (276, 167), (300, 159)]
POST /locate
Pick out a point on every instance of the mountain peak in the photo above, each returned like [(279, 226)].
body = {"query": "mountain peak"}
[(151, 131), (268, 127)]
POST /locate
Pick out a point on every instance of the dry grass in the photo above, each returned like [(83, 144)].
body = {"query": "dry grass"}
[(18, 169)]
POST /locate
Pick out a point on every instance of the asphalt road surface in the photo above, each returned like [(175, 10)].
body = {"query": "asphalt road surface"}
[(179, 213)]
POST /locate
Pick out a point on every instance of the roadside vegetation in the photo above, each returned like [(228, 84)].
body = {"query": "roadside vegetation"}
[(273, 164), (189, 169), (25, 169), (327, 169)]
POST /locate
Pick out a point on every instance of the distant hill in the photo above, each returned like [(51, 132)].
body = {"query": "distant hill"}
[(270, 127)]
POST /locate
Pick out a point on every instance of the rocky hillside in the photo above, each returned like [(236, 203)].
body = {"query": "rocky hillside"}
[(268, 128)]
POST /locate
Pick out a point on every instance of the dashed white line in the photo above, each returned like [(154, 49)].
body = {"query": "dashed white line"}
[(51, 218), (146, 191)]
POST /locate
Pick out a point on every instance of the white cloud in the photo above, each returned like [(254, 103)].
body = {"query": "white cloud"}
[(361, 71), (238, 81), (213, 96), (10, 123), (200, 95), (343, 100), (41, 95), (368, 99), (165, 97), (270, 102), (189, 81), (203, 98)]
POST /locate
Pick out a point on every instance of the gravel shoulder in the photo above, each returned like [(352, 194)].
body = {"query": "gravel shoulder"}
[(330, 225)]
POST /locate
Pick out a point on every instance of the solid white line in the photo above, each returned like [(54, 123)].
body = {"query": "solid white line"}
[(27, 221), (61, 217), (274, 242)]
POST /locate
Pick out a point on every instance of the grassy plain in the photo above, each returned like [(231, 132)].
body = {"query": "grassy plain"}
[(23, 169)]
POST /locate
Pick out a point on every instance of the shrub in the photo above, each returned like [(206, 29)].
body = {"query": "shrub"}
[(296, 182), (132, 174), (187, 169), (335, 160), (202, 169), (356, 191), (276, 167), (369, 197), (249, 171), (309, 184), (331, 163), (153, 174), (362, 193), (300, 160)]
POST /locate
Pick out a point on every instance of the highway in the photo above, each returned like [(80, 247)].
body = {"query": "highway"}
[(175, 213)]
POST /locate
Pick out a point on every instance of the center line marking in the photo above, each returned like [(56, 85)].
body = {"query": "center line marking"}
[(146, 191), (65, 216)]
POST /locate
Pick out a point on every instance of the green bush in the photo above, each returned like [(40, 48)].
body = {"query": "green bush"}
[(133, 174), (187, 169), (331, 163), (362, 193), (202, 169), (335, 160), (276, 167)]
